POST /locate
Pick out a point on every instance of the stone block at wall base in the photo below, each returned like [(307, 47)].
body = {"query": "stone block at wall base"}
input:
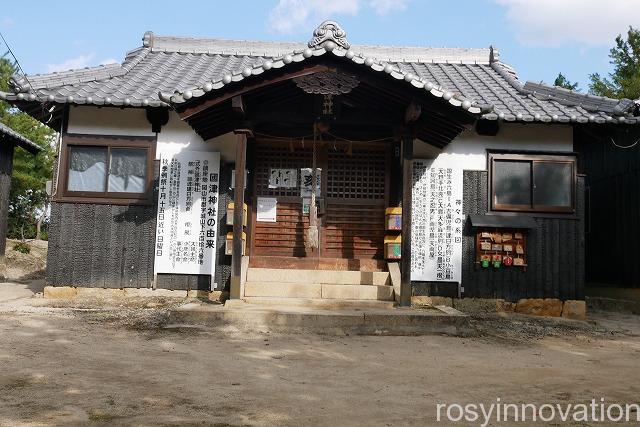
[(551, 307), (573, 309), (475, 305), (504, 306), (540, 307), (59, 292), (218, 296), (69, 292), (433, 301)]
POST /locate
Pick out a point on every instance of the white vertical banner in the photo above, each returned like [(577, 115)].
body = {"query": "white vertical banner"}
[(437, 221), (187, 222)]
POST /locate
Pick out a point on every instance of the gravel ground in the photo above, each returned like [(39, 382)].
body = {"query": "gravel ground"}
[(114, 363)]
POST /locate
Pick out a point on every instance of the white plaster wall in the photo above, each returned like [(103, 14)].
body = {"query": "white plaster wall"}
[(175, 136), (469, 150)]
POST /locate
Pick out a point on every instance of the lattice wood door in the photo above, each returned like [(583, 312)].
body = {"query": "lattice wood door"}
[(357, 194), (355, 189), (286, 236)]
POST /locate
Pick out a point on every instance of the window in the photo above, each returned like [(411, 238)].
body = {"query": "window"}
[(107, 169), (532, 183)]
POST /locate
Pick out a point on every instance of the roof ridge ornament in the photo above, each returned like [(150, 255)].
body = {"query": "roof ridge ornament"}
[(148, 39), (494, 54), (329, 31)]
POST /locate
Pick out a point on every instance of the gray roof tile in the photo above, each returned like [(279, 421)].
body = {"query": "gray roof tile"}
[(170, 70), (11, 136)]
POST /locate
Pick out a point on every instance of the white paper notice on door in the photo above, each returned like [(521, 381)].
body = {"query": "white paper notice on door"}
[(267, 209)]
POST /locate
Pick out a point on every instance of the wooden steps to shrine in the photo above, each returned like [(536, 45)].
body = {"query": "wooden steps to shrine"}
[(317, 287)]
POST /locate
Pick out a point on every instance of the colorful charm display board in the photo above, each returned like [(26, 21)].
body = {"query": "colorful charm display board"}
[(186, 230), (436, 223), (501, 248)]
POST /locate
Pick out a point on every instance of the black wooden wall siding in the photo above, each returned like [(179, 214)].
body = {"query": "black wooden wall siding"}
[(613, 211), (555, 251), (6, 169), (110, 246)]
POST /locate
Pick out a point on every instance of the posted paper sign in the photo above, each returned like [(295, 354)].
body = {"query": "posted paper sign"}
[(306, 183), (187, 222), (437, 220), (267, 209), (283, 178)]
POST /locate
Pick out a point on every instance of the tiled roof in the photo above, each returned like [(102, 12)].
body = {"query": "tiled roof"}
[(172, 70), (11, 136)]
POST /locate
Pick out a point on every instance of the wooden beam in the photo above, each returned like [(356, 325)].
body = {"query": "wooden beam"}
[(197, 108), (405, 273), (238, 200), (237, 105)]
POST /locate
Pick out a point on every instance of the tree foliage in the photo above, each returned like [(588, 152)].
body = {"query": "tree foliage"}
[(562, 81), (624, 81), (28, 200)]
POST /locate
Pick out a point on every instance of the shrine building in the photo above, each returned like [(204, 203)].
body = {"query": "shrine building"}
[(318, 171)]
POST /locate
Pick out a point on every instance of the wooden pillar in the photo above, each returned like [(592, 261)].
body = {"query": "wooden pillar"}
[(6, 168), (238, 213), (405, 272)]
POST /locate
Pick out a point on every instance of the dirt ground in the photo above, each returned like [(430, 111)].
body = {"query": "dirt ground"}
[(100, 364), (17, 266), (104, 363)]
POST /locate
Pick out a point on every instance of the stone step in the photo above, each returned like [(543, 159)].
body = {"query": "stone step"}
[(376, 278), (289, 318), (326, 304), (318, 291)]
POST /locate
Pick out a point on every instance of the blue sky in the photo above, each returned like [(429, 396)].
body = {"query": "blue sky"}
[(539, 38)]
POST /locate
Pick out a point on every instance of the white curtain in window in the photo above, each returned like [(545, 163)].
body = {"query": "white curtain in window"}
[(127, 170), (126, 184), (91, 179)]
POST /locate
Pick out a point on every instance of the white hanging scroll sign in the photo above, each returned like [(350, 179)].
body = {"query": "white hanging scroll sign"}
[(283, 178), (187, 221), (306, 184), (437, 221), (267, 209)]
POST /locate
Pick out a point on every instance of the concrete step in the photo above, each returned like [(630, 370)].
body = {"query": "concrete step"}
[(254, 318), (376, 278), (318, 291), (326, 304)]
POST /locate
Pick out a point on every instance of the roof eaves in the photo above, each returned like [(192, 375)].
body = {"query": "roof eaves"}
[(179, 97), (17, 139)]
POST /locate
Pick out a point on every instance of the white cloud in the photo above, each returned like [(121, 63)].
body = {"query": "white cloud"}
[(557, 22), (6, 23), (384, 7), (72, 64), (290, 15), (109, 61)]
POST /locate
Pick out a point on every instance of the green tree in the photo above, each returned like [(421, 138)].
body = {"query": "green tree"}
[(28, 201), (562, 81), (624, 81)]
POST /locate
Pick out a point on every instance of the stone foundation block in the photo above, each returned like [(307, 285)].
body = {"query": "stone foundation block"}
[(475, 305), (60, 292), (540, 307), (573, 309), (219, 296), (432, 301), (504, 306)]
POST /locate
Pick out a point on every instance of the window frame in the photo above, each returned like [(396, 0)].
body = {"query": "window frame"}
[(532, 158), (147, 143)]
